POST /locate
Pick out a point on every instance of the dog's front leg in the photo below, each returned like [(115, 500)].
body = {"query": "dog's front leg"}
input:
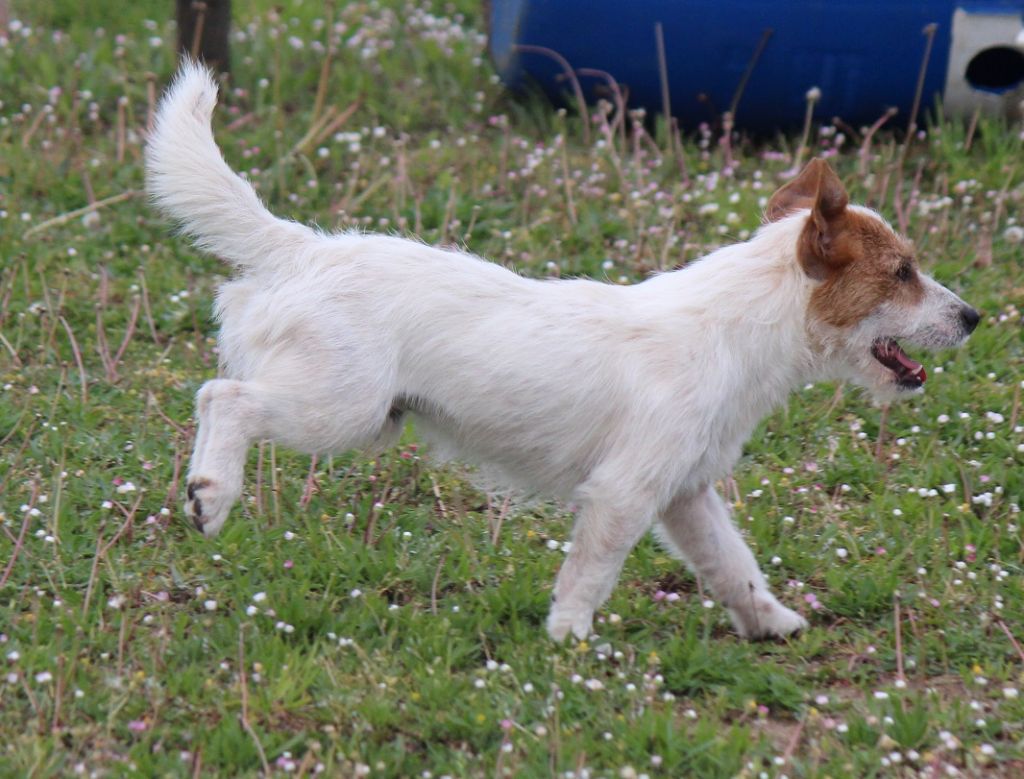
[(699, 528), (602, 538), (230, 416)]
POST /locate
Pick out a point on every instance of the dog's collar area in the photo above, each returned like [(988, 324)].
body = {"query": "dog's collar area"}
[(909, 373)]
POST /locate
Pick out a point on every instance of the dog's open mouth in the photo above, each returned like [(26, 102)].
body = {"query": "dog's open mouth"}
[(909, 373)]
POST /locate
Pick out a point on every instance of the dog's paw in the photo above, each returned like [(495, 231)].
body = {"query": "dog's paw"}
[(767, 618), (562, 621), (207, 505)]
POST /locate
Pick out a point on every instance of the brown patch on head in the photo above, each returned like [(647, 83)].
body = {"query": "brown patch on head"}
[(869, 264), (860, 261)]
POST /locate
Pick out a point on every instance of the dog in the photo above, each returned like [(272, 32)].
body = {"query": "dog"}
[(629, 401)]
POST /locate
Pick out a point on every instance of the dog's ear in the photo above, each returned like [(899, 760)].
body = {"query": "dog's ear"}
[(816, 187), (819, 189)]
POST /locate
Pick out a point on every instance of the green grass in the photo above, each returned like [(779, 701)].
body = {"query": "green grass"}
[(401, 627)]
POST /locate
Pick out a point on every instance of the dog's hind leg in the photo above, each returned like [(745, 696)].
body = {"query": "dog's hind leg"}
[(605, 532), (699, 528), (231, 415)]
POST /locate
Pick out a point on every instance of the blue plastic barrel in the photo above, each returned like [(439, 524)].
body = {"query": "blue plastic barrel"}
[(864, 57)]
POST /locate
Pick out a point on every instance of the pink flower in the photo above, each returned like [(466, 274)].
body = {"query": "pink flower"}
[(137, 725), (288, 563), (506, 725), (660, 595)]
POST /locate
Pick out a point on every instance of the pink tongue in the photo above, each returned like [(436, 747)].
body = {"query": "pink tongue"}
[(912, 367)]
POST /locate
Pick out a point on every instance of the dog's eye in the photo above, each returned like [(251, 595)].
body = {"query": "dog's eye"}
[(905, 271)]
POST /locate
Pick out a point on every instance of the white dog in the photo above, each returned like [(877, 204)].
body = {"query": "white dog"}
[(629, 400)]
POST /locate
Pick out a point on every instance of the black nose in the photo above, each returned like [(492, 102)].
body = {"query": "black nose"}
[(970, 318)]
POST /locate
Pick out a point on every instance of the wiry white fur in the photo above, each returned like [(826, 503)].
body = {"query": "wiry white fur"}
[(629, 400)]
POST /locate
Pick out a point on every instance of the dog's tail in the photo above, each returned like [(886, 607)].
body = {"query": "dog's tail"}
[(189, 180)]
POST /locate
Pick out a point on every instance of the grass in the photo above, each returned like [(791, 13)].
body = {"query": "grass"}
[(381, 617)]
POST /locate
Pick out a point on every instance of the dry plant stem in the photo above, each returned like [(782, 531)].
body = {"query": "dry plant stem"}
[(567, 182), (325, 66), (240, 122), (53, 307), (150, 100), (12, 351), (805, 137), (677, 139), (58, 496), (972, 128), (666, 94), (567, 73), (1001, 198), (58, 695), (1015, 410), (121, 128), (120, 645), (27, 137), (83, 379), (326, 125), (794, 742), (129, 331), (172, 491), (500, 520), (618, 125), (102, 549), (20, 543), (275, 488), (148, 309), (197, 35), (259, 479), (437, 497), (181, 431), (929, 33), (864, 155), (307, 493), (244, 717), (754, 58), (449, 213), (880, 443), (897, 621), (1009, 635), (61, 219), (21, 450), (433, 585), (726, 140)]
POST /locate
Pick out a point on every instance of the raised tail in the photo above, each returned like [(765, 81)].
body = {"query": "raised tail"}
[(189, 180)]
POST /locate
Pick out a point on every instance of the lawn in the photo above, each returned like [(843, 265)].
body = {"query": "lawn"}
[(380, 616)]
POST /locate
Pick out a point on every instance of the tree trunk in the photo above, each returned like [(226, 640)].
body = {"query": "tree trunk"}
[(203, 31)]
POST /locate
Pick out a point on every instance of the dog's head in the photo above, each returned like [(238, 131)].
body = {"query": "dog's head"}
[(870, 295)]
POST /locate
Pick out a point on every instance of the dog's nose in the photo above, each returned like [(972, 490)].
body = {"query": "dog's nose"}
[(970, 318)]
